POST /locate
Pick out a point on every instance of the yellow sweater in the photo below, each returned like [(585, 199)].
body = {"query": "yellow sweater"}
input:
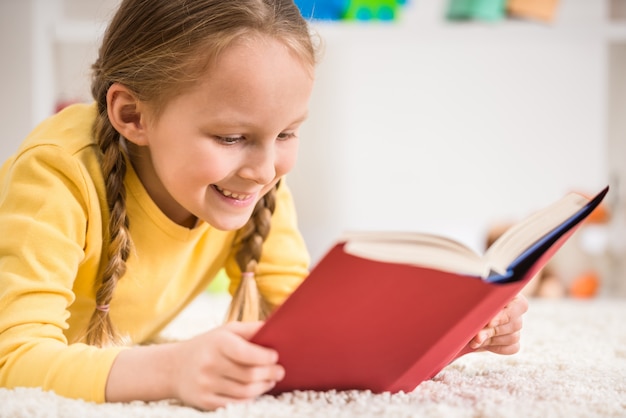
[(53, 218)]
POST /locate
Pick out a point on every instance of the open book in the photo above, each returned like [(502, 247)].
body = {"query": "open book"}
[(429, 250), (384, 311)]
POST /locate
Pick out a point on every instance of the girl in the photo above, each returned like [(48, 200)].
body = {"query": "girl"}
[(116, 215)]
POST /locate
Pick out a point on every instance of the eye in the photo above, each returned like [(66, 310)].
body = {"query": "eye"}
[(285, 136), (229, 140)]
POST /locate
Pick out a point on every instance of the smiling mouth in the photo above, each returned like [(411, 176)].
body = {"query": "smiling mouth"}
[(232, 195)]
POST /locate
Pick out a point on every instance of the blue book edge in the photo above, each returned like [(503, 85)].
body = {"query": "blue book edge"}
[(530, 256)]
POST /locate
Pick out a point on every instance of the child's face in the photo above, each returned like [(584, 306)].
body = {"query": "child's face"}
[(215, 151)]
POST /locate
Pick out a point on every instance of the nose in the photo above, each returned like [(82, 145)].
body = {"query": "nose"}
[(259, 165)]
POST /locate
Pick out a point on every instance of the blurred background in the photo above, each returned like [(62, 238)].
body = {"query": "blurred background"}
[(452, 117)]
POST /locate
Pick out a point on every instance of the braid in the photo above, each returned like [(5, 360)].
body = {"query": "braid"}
[(247, 303), (160, 50), (101, 331)]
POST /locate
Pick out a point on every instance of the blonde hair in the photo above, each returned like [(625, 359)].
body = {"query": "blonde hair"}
[(152, 47)]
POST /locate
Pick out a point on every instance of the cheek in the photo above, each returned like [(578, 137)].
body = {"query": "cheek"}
[(188, 170), (286, 158)]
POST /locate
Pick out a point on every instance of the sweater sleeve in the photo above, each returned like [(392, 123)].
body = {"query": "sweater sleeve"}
[(45, 202), (284, 260)]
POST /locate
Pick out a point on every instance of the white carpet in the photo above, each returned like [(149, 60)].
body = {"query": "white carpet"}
[(572, 364)]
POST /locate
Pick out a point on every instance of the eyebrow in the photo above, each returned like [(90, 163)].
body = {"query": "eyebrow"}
[(301, 118), (298, 120), (229, 121)]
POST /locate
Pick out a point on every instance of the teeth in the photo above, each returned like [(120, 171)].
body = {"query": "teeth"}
[(232, 195)]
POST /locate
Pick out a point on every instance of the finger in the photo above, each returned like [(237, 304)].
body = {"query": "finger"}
[(507, 350), (487, 336), (245, 353), (501, 317), (250, 355), (507, 321), (513, 326), (245, 391), (508, 339), (245, 330), (514, 309), (517, 306), (482, 338), (247, 375)]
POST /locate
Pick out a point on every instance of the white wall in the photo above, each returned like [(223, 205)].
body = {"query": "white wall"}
[(46, 49), (15, 74), (420, 125), (427, 125)]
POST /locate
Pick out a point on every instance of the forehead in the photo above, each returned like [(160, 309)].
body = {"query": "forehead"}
[(255, 63), (254, 82), (257, 45)]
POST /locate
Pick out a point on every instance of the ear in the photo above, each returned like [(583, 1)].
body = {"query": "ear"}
[(127, 114)]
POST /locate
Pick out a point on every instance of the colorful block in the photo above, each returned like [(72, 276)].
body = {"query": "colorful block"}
[(488, 10), (372, 10), (323, 9)]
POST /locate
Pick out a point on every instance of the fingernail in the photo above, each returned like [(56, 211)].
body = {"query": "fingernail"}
[(474, 344)]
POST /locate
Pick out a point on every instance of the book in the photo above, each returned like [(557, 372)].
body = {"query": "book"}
[(384, 311)]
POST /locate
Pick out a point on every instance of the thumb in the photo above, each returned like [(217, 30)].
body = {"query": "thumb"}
[(245, 330), (248, 353)]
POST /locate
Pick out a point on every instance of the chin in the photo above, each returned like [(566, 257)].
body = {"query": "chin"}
[(227, 224)]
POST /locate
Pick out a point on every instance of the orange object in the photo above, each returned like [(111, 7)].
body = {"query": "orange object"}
[(585, 286), (600, 215), (543, 10)]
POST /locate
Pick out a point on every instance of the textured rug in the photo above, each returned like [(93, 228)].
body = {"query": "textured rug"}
[(572, 364)]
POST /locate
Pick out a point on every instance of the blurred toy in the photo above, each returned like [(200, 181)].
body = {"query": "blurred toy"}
[(486, 10), (323, 9), (372, 9), (577, 269), (495, 10), (585, 285), (359, 10), (581, 262), (541, 10)]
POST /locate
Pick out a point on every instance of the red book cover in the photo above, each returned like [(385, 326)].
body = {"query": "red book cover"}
[(360, 323)]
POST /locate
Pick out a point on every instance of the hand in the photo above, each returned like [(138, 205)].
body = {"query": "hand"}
[(502, 334), (222, 366)]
